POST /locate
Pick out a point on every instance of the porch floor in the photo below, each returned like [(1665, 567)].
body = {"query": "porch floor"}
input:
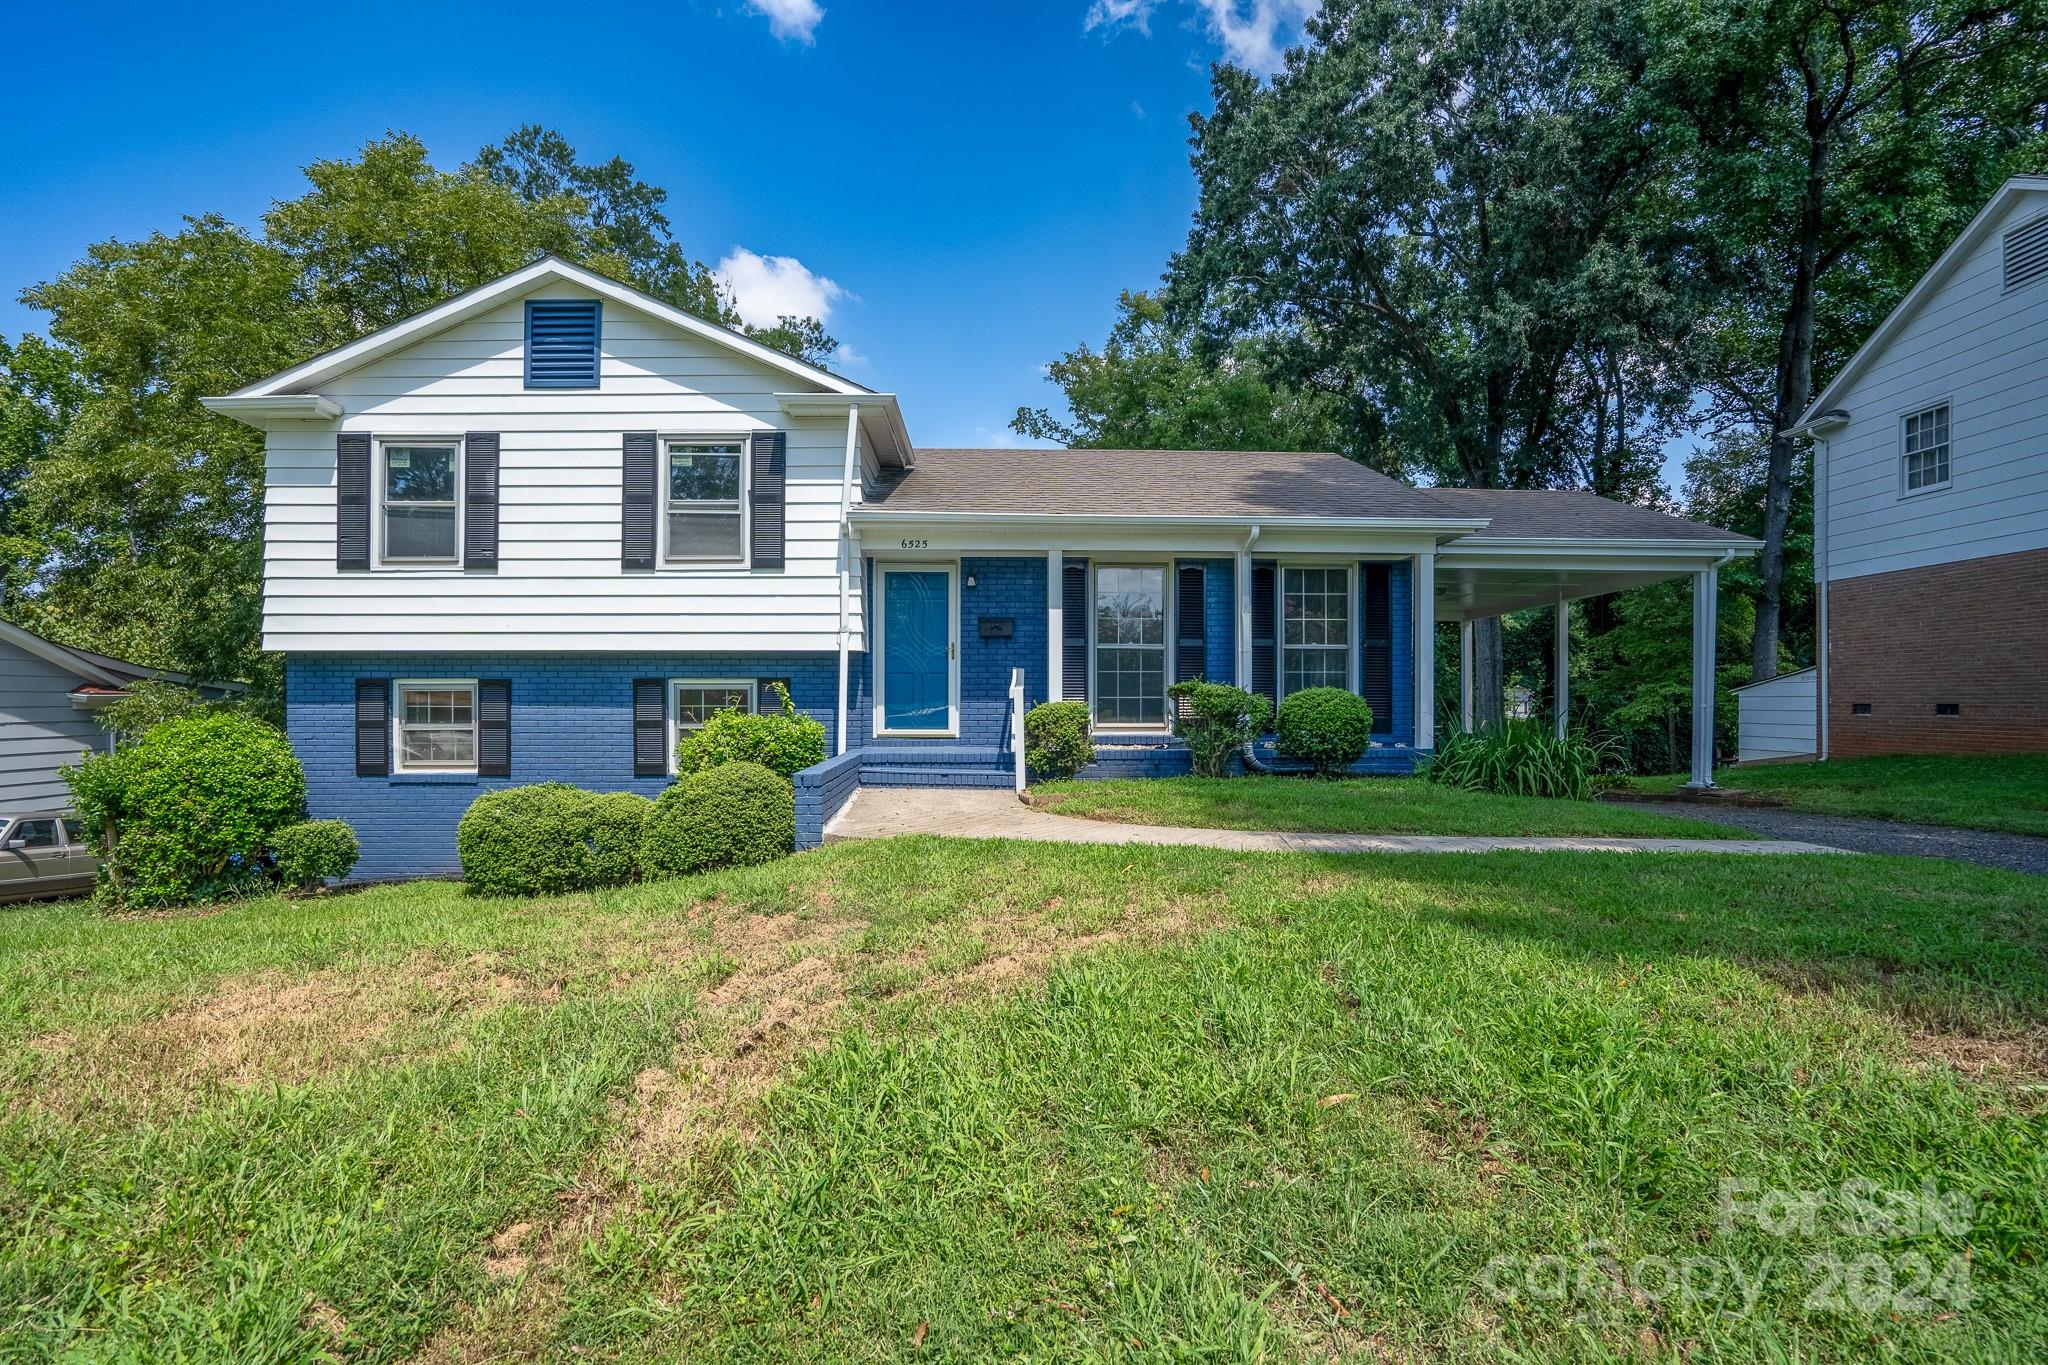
[(970, 813)]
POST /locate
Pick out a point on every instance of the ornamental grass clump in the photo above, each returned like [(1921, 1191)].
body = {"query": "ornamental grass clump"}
[(1519, 758)]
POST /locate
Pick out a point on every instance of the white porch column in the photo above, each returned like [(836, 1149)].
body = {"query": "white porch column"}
[(1561, 663), (1055, 624), (1465, 676), (1244, 618), (1425, 650), (1705, 588)]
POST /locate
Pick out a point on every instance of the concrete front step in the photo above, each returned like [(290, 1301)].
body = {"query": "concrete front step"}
[(934, 775)]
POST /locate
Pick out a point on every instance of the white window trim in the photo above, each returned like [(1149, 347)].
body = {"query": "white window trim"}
[(1918, 410), (1353, 631), (883, 568), (745, 441), (380, 481), (398, 690), (1172, 646), (751, 686)]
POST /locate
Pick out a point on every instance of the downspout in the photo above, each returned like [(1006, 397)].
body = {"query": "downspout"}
[(1820, 596), (846, 552)]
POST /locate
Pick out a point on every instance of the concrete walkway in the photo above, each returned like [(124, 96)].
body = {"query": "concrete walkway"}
[(973, 813)]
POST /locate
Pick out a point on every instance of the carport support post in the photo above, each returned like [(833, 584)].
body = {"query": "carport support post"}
[(1055, 624), (1425, 650), (1465, 676), (1561, 664), (1705, 589)]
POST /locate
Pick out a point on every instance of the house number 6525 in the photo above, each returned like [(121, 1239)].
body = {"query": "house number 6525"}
[(917, 544)]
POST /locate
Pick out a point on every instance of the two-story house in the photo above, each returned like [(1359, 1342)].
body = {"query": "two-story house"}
[(1931, 505), (542, 529)]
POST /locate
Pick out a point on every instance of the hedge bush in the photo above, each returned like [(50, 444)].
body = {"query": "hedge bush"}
[(734, 815), (185, 813), (1520, 758), (549, 838), (309, 853), (1056, 742), (783, 741), (1327, 727), (1216, 720)]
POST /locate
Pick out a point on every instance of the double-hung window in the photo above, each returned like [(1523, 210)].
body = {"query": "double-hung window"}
[(1927, 449), (436, 725), (1130, 645), (419, 508), (1315, 625), (692, 701), (705, 501)]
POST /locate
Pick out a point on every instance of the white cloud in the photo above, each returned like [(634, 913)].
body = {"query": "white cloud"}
[(766, 289), (1252, 33), (790, 20), (844, 355), (1002, 438)]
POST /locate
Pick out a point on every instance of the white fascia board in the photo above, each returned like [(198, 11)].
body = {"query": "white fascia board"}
[(1033, 533), (1454, 526), (883, 405), (1936, 276), (56, 654), (1766, 682), (1604, 545), (521, 282), (281, 407)]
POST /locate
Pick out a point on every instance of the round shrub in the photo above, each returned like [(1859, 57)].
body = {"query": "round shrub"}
[(548, 838), (734, 815), (785, 741), (1327, 727), (1216, 720), (314, 851), (1056, 742), (184, 814)]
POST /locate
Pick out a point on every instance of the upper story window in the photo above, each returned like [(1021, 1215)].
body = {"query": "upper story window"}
[(436, 726), (1315, 624), (419, 504), (562, 343), (704, 502), (1927, 449)]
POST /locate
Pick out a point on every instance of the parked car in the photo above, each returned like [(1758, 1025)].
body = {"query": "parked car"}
[(43, 853)]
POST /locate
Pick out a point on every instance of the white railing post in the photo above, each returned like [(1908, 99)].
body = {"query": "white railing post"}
[(1017, 725)]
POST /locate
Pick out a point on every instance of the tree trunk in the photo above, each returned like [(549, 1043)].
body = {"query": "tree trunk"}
[(1487, 708), (1794, 390)]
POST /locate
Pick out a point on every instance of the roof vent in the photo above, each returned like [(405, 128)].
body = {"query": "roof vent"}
[(2026, 253)]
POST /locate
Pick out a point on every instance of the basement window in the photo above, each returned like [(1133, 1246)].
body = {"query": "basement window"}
[(1860, 708), (1948, 708)]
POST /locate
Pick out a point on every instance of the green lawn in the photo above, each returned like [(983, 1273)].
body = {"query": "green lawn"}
[(989, 1100), (1370, 805), (2008, 793)]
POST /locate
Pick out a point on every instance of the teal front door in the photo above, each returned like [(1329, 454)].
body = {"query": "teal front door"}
[(917, 651)]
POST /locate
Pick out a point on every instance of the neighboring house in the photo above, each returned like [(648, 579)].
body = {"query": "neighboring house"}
[(48, 693), (1931, 505), (538, 531)]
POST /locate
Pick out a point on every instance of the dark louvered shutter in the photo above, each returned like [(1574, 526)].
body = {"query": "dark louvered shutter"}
[(480, 500), (650, 727), (636, 507), (1190, 653), (562, 344), (1074, 630), (1265, 636), (1379, 645), (494, 728), (373, 727), (352, 500), (765, 700), (771, 466)]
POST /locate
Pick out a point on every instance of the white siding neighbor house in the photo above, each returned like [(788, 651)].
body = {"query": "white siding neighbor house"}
[(1931, 505), (1776, 718)]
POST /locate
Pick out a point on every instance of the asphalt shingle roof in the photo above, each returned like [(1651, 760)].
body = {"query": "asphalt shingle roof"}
[(1231, 483)]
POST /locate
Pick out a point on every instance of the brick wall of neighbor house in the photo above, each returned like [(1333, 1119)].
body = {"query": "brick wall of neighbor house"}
[(1972, 633), (571, 722)]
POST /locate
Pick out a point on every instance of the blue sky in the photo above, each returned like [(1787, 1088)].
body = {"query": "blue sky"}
[(975, 181)]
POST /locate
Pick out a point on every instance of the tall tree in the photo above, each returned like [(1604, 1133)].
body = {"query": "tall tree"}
[(1432, 213), (1833, 148)]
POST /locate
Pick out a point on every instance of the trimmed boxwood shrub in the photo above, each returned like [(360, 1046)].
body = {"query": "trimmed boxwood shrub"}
[(1327, 727), (185, 813), (1056, 742), (1216, 720), (734, 815), (548, 838), (313, 851), (784, 741)]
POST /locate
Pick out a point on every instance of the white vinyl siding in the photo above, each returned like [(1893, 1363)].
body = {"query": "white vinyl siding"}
[(1777, 718), (1981, 351), (558, 584)]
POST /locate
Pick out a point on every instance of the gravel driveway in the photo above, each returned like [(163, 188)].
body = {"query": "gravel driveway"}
[(2014, 852)]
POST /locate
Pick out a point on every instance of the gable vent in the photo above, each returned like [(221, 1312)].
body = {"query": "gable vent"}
[(561, 344), (2026, 253)]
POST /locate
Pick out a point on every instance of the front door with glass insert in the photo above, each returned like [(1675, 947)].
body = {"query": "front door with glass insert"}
[(1130, 645), (917, 651)]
